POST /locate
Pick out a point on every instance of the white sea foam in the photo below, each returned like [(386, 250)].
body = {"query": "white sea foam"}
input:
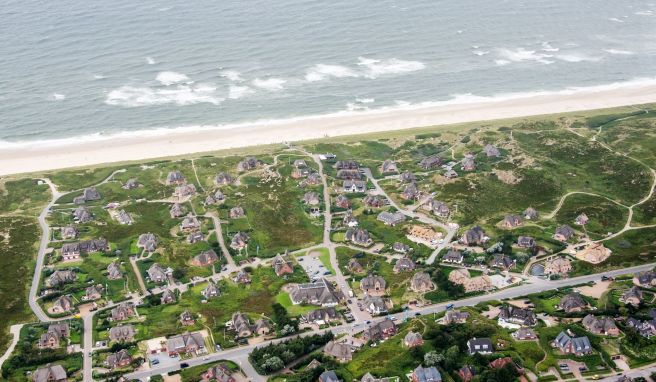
[(57, 97), (576, 57), (524, 55), (270, 84), (170, 78), (237, 92), (547, 47), (375, 68), (98, 76), (616, 20), (619, 52), (480, 52), (365, 100), (501, 62), (321, 72), (150, 61), (130, 96), (231, 75), (645, 13), (398, 105)]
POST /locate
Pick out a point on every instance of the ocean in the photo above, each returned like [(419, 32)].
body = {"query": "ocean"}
[(75, 70)]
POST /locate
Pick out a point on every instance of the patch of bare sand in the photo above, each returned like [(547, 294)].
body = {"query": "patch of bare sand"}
[(493, 312), (507, 177), (596, 290)]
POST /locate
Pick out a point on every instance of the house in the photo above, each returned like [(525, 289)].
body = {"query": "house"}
[(320, 292), (186, 318), (450, 174), (358, 236), (373, 285), (525, 242), (262, 327), (380, 331), (236, 212), (502, 262), (349, 220), (491, 151), (466, 373), (354, 186), (453, 256), (329, 376), (644, 328), (388, 167), (349, 174), (300, 170), (177, 211), (368, 377), (645, 279), (214, 199), (340, 351), (211, 290), (474, 236), (89, 194), (633, 296), (480, 345), (573, 345), (69, 232), (600, 325), (184, 191), (455, 317), (53, 337), (311, 198), (426, 374), (594, 253), (122, 333), (524, 334), (242, 277), (557, 266), (195, 237), (322, 316), (408, 177), (241, 325), (510, 316), (59, 277), (572, 302), (374, 201), (582, 219), (400, 247), (222, 179), (312, 180), (563, 233), (430, 162), (205, 258), (530, 213), (413, 339), (190, 223), (421, 282), (82, 215), (511, 221), (168, 297), (500, 363), (131, 184), (282, 266), (72, 251), (157, 274), (124, 218), (424, 235), (411, 192), (218, 373), (93, 292), (50, 373), (341, 201), (391, 218), (439, 208), (468, 163), (376, 305), (147, 241), (175, 177), (404, 264), (347, 165), (248, 163), (122, 312), (119, 359), (354, 266), (186, 343), (239, 241), (471, 284)]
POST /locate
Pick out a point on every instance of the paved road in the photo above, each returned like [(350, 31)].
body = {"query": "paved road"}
[(534, 286), (87, 343), (221, 240), (43, 245), (15, 332)]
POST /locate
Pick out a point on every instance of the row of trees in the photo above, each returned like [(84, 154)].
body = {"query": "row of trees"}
[(274, 357)]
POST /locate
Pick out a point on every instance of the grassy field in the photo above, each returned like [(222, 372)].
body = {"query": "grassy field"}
[(605, 216)]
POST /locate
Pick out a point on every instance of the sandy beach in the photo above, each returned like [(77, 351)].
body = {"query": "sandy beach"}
[(40, 157)]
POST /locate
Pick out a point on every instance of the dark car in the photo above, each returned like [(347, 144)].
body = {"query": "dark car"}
[(183, 365)]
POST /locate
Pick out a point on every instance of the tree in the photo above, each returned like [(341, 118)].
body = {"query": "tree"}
[(273, 364), (432, 358)]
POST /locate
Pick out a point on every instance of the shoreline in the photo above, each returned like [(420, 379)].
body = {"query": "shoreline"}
[(177, 142)]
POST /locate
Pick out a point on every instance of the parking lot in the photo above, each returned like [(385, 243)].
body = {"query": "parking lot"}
[(313, 267)]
